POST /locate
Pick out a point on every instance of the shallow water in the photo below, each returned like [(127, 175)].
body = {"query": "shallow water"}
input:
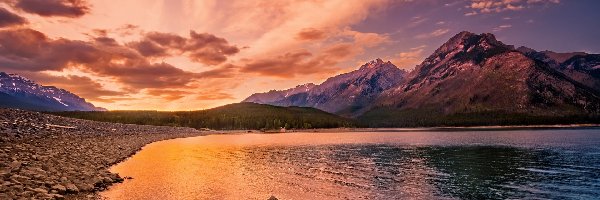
[(538, 164)]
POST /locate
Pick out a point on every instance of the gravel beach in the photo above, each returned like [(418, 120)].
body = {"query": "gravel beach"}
[(44, 156)]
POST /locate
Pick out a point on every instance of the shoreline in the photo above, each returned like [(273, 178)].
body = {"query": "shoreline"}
[(43, 156), (449, 128)]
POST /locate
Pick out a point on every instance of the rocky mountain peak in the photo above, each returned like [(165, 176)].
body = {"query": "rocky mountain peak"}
[(463, 51), (15, 77), (462, 36), (20, 92), (347, 94), (467, 41), (468, 47), (374, 64)]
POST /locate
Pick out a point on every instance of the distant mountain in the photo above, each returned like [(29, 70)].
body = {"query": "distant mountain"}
[(347, 94), (278, 95), (580, 66), (472, 79), (19, 92), (551, 58), (476, 79), (583, 68)]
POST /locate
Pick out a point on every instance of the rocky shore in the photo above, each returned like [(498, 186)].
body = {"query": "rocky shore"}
[(49, 157)]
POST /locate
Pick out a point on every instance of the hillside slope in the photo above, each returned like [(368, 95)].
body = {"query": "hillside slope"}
[(476, 80), (348, 94), (232, 116), (19, 92)]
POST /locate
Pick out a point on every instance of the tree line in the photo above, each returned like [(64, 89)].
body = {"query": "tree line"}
[(241, 116)]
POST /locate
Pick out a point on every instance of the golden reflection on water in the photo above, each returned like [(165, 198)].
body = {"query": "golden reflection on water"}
[(378, 165), (255, 166)]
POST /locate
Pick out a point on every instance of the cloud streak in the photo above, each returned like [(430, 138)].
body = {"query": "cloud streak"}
[(501, 27), (409, 59), (52, 8), (434, 33), (497, 6)]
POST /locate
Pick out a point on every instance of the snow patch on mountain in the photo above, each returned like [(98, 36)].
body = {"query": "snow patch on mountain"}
[(30, 95)]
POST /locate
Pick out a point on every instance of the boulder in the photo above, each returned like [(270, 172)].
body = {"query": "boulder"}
[(71, 188)]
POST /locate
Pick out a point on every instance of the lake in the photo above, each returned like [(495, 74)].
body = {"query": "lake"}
[(515, 164)]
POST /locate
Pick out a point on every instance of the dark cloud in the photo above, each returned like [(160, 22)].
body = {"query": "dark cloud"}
[(139, 74), (106, 41), (131, 65), (100, 32), (209, 49), (310, 34), (30, 50), (50, 8), (166, 39), (199, 47), (149, 48), (8, 19), (81, 85)]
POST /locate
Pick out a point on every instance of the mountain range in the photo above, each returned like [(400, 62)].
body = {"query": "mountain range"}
[(19, 92), (344, 94), (472, 79)]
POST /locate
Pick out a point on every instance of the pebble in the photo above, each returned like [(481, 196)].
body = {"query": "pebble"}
[(59, 188), (40, 190), (71, 188), (43, 156)]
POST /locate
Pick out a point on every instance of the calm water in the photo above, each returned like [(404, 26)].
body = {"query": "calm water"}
[(541, 164)]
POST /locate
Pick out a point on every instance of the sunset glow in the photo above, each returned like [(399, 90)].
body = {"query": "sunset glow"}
[(190, 55)]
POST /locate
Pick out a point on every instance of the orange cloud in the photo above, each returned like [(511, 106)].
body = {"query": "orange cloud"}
[(409, 59), (152, 53), (310, 34), (434, 33), (30, 50), (224, 71), (286, 65), (167, 94), (496, 6), (213, 95)]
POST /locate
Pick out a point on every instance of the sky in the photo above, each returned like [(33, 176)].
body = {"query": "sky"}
[(199, 54)]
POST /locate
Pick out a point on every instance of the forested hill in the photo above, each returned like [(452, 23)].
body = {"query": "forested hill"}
[(232, 116)]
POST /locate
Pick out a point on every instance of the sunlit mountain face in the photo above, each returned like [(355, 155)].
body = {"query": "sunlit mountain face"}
[(189, 55)]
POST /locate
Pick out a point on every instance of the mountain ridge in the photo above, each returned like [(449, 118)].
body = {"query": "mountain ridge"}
[(20, 92), (476, 73), (345, 94)]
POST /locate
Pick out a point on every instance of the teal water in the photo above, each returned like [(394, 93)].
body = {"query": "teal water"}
[(515, 164)]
